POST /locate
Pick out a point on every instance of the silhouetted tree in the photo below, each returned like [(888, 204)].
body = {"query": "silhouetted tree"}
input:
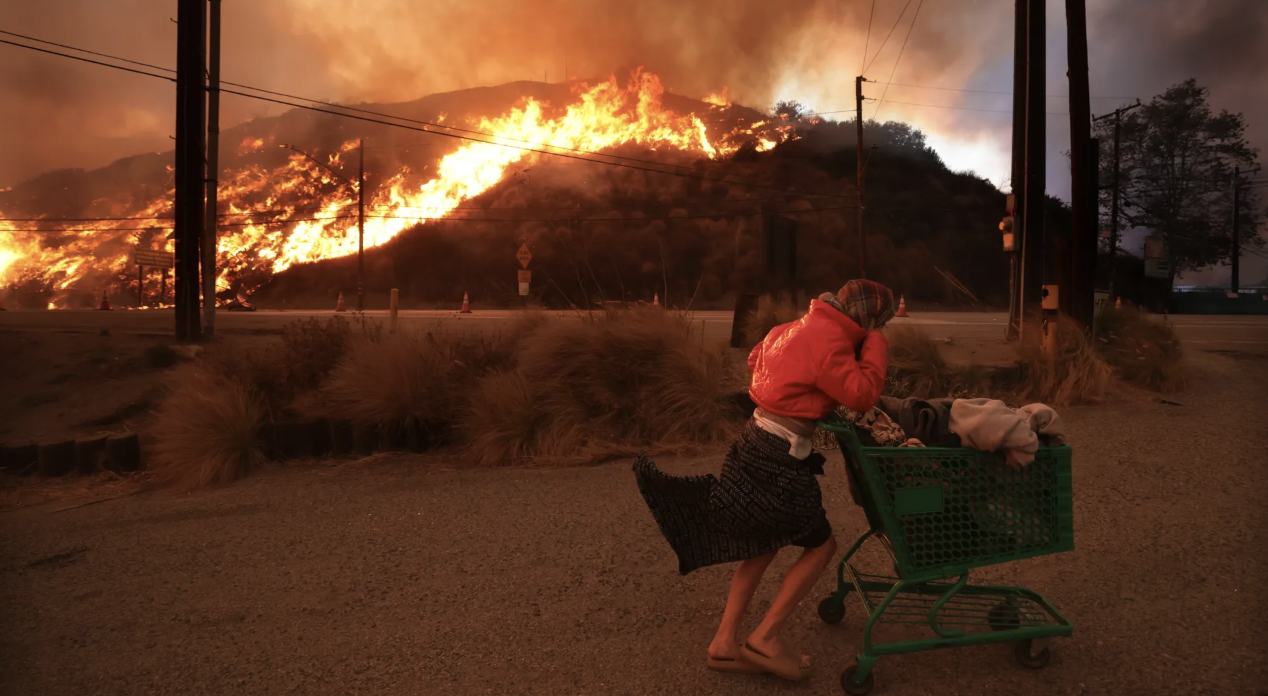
[(1177, 160)]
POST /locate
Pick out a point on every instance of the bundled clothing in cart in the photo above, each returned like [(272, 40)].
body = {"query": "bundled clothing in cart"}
[(988, 425)]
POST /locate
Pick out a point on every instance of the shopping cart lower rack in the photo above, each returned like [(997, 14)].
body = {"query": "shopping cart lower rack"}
[(941, 512)]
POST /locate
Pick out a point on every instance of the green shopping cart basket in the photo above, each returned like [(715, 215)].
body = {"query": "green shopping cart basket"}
[(941, 512)]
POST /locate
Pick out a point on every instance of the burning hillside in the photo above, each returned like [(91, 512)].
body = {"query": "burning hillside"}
[(279, 208)]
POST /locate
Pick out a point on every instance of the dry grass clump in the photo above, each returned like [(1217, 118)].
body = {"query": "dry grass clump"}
[(410, 382), (768, 314), (602, 386), (1141, 350), (917, 368), (1076, 372), (310, 350), (207, 432)]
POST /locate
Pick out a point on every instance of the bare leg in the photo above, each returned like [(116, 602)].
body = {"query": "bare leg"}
[(726, 644), (797, 584)]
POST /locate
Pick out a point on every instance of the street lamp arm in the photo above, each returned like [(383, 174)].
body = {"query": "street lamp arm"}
[(323, 165)]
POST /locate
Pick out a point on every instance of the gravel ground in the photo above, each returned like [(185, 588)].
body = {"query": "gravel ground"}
[(400, 575)]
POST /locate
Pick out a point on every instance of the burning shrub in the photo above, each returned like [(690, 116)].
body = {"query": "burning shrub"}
[(600, 387), (207, 432), (1141, 350), (1075, 373)]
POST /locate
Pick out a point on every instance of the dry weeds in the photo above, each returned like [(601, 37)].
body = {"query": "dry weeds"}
[(917, 368), (1140, 349), (603, 386), (768, 314), (207, 432), (1075, 373)]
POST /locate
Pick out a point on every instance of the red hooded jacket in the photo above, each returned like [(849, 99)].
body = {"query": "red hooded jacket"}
[(803, 369)]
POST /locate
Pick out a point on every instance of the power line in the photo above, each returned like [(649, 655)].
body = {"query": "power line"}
[(461, 137), (891, 33), (982, 91), (460, 218), (866, 42), (340, 106), (881, 102), (84, 50), (934, 106), (86, 60), (478, 218), (530, 149)]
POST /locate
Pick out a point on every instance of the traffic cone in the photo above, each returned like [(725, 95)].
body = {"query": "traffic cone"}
[(466, 304), (655, 299), (340, 306), (902, 307), (1118, 303), (105, 303)]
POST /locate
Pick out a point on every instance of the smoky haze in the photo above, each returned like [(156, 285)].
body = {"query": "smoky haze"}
[(57, 113)]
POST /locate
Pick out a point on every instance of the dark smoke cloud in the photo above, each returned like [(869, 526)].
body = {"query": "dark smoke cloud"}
[(65, 114), (56, 113)]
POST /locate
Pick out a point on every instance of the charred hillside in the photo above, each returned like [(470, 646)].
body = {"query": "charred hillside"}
[(601, 233)]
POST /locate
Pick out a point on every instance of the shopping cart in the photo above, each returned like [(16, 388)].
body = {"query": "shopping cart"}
[(941, 512)]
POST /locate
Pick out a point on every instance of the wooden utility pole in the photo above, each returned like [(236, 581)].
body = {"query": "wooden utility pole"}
[(858, 124), (1034, 271), (190, 170), (361, 226), (213, 175), (1020, 36), (1235, 281), (1078, 300), (1114, 196)]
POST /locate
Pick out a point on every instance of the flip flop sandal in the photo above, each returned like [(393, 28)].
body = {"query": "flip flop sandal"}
[(782, 665), (734, 665)]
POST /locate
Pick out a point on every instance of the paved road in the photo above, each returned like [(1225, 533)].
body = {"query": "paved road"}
[(409, 575), (1242, 333)]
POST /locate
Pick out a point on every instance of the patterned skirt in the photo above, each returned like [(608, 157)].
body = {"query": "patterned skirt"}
[(766, 499)]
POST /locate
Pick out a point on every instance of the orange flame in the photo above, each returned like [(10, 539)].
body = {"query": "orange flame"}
[(262, 234), (720, 99)]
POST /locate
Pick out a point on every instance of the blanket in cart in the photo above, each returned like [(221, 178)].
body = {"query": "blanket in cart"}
[(765, 499)]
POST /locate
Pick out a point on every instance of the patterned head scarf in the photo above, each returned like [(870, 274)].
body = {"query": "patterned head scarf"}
[(868, 303)]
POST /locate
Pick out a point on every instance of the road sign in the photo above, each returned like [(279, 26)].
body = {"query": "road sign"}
[(153, 257), (1157, 268), (525, 276), (524, 255)]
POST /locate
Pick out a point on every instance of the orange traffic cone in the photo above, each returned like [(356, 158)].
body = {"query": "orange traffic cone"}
[(1118, 303), (340, 306), (105, 302), (902, 307), (655, 299), (466, 304)]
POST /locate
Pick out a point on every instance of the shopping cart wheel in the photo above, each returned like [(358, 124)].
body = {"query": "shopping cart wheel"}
[(1031, 660), (831, 614), (1004, 617), (853, 688)]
